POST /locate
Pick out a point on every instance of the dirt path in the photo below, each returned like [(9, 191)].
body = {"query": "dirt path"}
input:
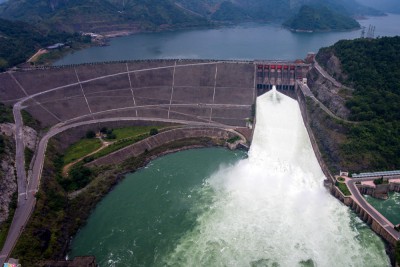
[(67, 167), (37, 55)]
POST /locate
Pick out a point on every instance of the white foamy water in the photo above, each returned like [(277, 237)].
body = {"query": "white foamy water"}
[(272, 209)]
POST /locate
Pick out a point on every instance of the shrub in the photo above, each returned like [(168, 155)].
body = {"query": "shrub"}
[(153, 131), (78, 178), (111, 135)]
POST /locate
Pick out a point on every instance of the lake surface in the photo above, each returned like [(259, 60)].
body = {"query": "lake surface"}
[(246, 41)]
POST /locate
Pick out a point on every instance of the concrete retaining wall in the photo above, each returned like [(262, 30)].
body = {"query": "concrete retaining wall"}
[(73, 135), (160, 139), (379, 191), (301, 98)]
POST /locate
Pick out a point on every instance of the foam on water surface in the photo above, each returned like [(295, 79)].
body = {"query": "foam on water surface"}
[(271, 209)]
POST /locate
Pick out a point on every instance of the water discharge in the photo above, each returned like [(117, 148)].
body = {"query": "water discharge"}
[(271, 209), (214, 207)]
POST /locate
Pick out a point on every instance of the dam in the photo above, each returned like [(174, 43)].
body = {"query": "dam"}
[(219, 95)]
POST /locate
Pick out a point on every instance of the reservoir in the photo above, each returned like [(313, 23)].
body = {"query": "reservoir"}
[(245, 41), (213, 207)]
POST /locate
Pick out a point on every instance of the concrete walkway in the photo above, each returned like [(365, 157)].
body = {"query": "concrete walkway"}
[(357, 197)]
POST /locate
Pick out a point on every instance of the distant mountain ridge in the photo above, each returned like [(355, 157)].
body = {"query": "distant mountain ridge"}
[(320, 18), (100, 15), (391, 6), (150, 15)]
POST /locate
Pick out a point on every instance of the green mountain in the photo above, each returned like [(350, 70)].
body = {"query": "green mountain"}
[(320, 18), (372, 68), (20, 40), (275, 9), (100, 15), (228, 11)]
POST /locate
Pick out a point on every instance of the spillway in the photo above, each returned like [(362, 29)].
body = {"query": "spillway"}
[(271, 209)]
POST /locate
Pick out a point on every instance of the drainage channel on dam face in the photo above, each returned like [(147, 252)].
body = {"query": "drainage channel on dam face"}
[(269, 209)]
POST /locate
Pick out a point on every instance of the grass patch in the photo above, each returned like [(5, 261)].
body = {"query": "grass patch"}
[(343, 188), (80, 149), (125, 137), (128, 132), (28, 157), (118, 145), (341, 179)]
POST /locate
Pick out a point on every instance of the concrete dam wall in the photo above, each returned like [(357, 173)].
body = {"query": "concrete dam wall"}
[(202, 91)]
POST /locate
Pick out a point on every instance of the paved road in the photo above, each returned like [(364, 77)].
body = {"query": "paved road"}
[(22, 212), (358, 198)]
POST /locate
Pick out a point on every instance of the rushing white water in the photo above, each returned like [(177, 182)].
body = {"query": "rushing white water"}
[(271, 209)]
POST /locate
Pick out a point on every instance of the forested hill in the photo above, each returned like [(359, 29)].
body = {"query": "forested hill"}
[(20, 40), (320, 18), (149, 15), (101, 15), (372, 68)]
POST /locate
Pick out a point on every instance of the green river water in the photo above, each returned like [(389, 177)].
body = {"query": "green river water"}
[(143, 218), (390, 208)]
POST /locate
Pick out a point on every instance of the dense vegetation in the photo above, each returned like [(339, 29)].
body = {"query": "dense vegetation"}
[(372, 68), (320, 18), (6, 114), (20, 40), (100, 15), (229, 12)]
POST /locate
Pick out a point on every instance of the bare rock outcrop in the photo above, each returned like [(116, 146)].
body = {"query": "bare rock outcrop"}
[(8, 179), (329, 94)]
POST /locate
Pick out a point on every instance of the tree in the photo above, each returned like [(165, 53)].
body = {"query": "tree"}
[(90, 134)]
